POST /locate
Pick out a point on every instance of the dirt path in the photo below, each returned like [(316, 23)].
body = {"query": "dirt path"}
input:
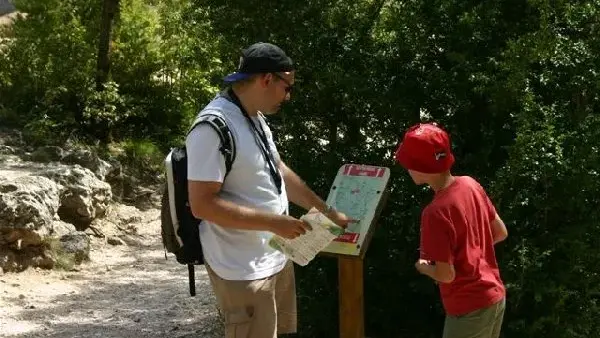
[(124, 291)]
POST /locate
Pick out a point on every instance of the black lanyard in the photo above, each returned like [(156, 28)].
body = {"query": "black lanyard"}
[(259, 136)]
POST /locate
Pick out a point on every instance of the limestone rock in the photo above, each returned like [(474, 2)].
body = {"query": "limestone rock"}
[(29, 202), (77, 243), (83, 198)]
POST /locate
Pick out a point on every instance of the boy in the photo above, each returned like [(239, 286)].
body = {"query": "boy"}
[(459, 228)]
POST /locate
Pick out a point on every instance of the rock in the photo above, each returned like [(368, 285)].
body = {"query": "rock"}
[(47, 154), (19, 238), (84, 197), (11, 137), (144, 199), (77, 243), (12, 260), (61, 228), (7, 150), (128, 189), (89, 160), (126, 214), (132, 240), (122, 185), (114, 241), (29, 203)]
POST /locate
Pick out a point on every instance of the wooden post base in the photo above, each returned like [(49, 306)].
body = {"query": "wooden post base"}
[(351, 298)]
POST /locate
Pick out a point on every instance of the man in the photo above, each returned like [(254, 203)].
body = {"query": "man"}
[(254, 284), (459, 229)]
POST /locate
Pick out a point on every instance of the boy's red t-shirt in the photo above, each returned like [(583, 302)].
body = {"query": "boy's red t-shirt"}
[(456, 229)]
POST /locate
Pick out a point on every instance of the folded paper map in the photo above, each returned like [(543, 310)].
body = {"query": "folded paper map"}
[(304, 248)]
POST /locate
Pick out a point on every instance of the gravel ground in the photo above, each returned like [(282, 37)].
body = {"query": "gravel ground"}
[(127, 290)]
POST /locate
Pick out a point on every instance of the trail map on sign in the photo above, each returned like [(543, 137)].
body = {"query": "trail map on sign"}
[(353, 195), (356, 191)]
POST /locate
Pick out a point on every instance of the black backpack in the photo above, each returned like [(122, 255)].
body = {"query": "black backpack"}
[(179, 227)]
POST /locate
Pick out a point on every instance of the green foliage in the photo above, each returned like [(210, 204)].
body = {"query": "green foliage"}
[(155, 87), (143, 157), (515, 82), (38, 79)]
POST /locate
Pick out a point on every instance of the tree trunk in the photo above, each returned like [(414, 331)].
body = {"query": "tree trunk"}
[(109, 9)]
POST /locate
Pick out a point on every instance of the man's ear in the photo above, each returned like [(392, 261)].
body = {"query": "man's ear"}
[(265, 80)]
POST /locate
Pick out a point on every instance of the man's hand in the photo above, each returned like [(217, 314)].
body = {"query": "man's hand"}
[(290, 227), (340, 218)]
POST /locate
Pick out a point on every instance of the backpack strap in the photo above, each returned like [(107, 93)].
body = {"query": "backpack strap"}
[(219, 125), (228, 149)]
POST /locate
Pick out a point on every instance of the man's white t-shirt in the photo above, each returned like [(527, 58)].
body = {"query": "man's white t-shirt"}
[(236, 254)]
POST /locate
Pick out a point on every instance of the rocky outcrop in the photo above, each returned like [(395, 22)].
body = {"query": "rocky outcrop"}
[(52, 199), (29, 203), (125, 188), (91, 161), (29, 207), (83, 196)]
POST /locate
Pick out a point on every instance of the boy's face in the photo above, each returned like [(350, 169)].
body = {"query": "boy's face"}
[(417, 177)]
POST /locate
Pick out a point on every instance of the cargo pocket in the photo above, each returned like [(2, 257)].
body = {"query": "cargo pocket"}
[(237, 324)]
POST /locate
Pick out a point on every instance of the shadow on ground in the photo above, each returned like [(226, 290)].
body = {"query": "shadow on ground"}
[(143, 295)]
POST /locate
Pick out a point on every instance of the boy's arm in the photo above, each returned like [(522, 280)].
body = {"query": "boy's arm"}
[(440, 271), (499, 231), (437, 242)]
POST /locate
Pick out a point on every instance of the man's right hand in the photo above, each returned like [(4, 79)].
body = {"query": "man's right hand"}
[(290, 227)]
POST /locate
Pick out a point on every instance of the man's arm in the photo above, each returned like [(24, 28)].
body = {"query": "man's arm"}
[(499, 231), (300, 194), (206, 171), (207, 205)]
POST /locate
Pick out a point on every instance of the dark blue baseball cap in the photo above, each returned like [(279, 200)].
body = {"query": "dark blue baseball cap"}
[(261, 57)]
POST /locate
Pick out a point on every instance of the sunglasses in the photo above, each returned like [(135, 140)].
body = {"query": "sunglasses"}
[(288, 87)]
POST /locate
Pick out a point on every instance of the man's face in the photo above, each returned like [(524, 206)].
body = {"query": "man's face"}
[(278, 89)]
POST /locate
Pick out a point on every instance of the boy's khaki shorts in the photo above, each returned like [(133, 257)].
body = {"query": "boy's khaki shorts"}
[(484, 323), (260, 308)]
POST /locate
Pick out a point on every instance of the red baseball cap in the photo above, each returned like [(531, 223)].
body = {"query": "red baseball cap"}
[(425, 148)]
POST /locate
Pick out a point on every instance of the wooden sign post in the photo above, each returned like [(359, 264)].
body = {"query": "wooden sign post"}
[(359, 191), (351, 297)]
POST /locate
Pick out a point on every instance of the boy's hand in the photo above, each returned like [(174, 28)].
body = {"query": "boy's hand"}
[(422, 266), (438, 271)]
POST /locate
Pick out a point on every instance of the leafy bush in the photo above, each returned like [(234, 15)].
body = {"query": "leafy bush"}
[(156, 84)]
